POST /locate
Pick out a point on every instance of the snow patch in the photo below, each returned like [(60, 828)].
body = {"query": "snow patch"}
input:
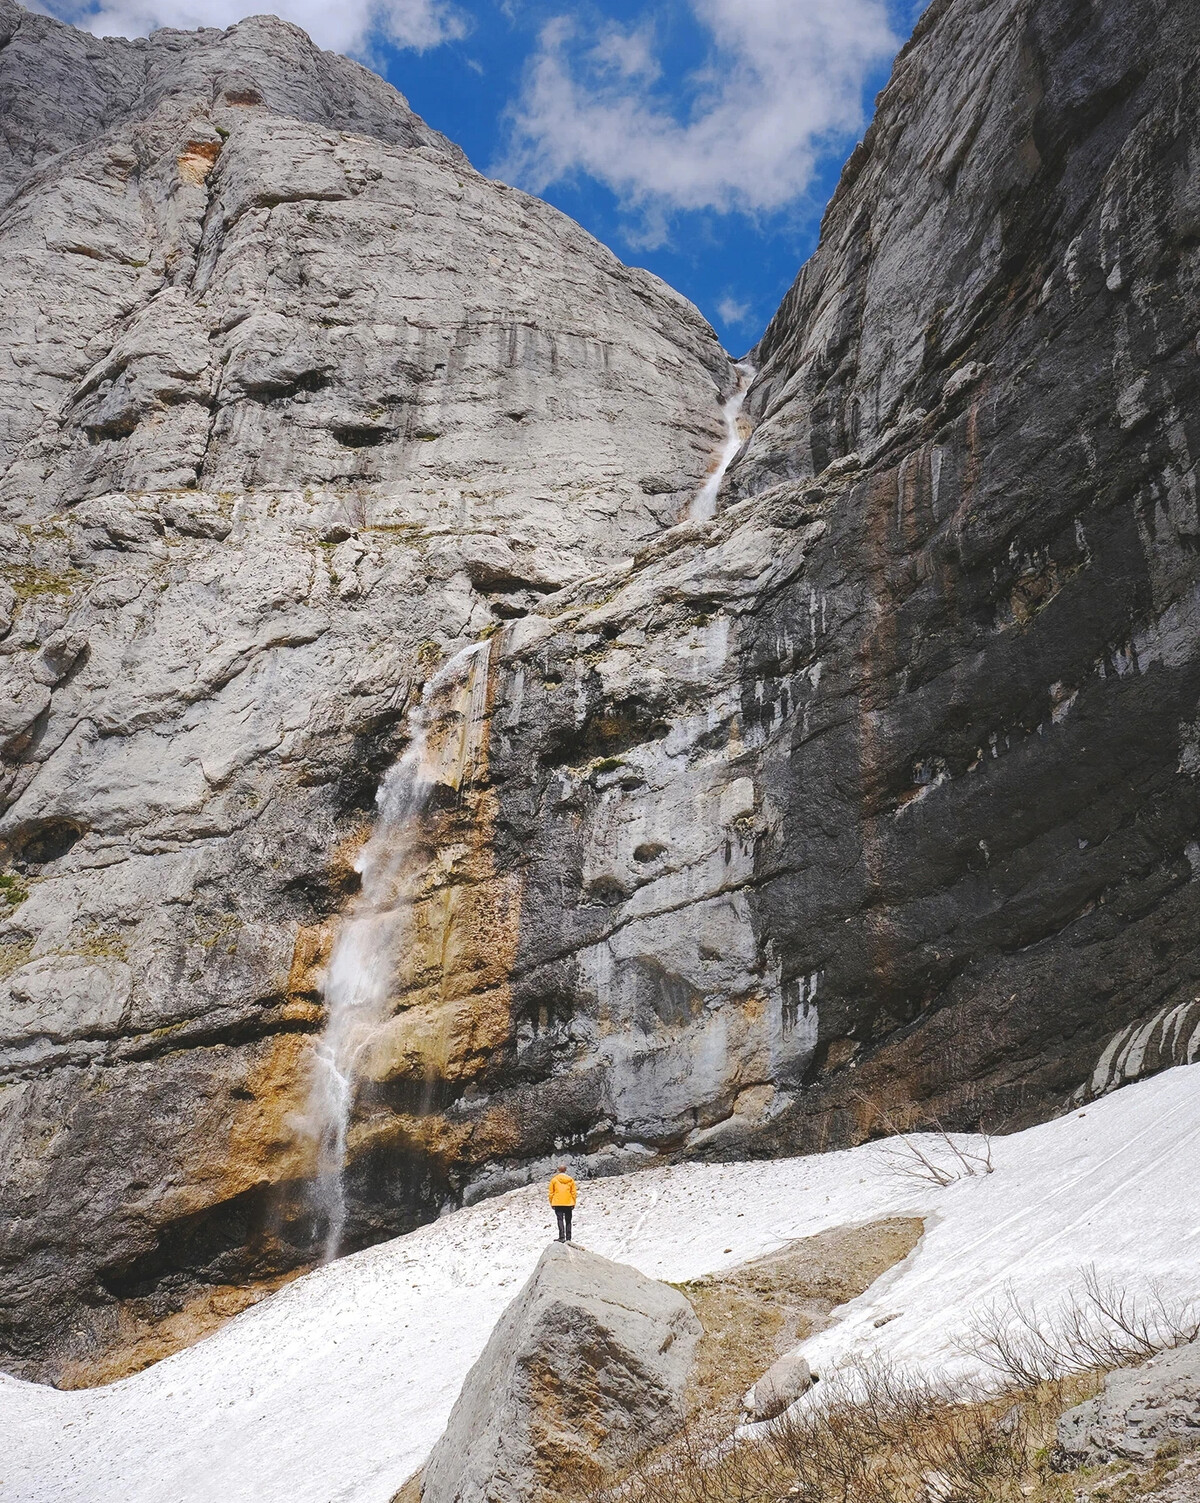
[(334, 1389)]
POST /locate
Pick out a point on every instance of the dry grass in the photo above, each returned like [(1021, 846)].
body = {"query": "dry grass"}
[(410, 1492), (1171, 1478), (878, 1434), (762, 1309)]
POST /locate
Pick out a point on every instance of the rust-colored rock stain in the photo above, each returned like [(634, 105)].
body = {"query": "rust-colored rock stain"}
[(196, 161)]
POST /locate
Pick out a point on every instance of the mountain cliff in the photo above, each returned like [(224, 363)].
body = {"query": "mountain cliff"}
[(876, 789)]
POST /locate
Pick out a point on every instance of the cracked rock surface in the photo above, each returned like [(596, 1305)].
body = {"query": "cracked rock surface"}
[(586, 1370), (878, 790), (984, 384), (1139, 1411)]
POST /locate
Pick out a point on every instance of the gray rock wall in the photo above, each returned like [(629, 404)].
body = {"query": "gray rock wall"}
[(292, 404), (881, 784), (985, 383), (1139, 1412), (881, 788)]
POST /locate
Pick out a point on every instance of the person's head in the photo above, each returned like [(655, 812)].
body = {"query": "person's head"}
[(562, 1168)]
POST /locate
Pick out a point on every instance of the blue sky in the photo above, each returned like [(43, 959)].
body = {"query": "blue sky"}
[(699, 138)]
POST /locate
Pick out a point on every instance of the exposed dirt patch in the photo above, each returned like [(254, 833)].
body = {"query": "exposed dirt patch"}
[(757, 1312)]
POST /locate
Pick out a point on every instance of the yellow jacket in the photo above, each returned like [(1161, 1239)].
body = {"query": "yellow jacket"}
[(562, 1190)]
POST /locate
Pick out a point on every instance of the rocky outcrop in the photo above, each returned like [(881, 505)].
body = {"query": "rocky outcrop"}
[(1139, 1411), (878, 788), (983, 386), (586, 1370), (906, 804), (880, 783)]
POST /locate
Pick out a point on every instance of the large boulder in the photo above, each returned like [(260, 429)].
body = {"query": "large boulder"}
[(586, 1370), (779, 1387), (1138, 1411)]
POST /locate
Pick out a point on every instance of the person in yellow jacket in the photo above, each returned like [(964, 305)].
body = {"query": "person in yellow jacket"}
[(562, 1198)]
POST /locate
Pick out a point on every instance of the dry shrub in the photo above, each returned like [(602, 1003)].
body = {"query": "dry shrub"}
[(1099, 1327), (935, 1156), (876, 1433), (890, 1436), (879, 1435)]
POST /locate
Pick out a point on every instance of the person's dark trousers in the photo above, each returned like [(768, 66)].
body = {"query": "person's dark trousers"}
[(564, 1222)]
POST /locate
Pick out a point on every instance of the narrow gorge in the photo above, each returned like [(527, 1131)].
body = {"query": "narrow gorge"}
[(455, 716)]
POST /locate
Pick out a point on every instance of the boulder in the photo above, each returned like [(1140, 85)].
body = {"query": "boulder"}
[(195, 521), (1138, 1411), (779, 1387), (585, 1370)]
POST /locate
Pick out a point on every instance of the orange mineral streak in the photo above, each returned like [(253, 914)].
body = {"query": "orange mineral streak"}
[(498, 1134), (310, 955), (243, 1144), (243, 1129), (139, 1341), (452, 1000), (196, 161), (452, 1008), (246, 1137), (263, 1144), (314, 942)]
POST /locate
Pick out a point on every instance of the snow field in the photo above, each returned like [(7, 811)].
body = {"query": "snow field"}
[(335, 1388)]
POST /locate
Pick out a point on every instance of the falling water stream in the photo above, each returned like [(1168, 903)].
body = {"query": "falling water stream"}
[(359, 986), (361, 981), (704, 504)]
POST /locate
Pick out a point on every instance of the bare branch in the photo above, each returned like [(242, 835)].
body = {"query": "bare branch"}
[(909, 1157), (1100, 1326)]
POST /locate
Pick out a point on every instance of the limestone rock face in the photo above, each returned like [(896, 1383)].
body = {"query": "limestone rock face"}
[(292, 404), (984, 387), (881, 783), (1138, 1411), (586, 1369)]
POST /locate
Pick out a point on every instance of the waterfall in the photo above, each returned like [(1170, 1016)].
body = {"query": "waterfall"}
[(359, 984), (704, 503)]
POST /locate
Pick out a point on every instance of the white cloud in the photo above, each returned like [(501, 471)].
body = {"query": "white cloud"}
[(733, 312), (784, 81), (347, 26), (629, 54)]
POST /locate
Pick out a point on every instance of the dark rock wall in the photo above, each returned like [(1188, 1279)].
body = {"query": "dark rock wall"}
[(879, 793), (996, 346)]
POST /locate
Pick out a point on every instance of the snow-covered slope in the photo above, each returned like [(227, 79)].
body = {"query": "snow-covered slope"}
[(336, 1387)]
